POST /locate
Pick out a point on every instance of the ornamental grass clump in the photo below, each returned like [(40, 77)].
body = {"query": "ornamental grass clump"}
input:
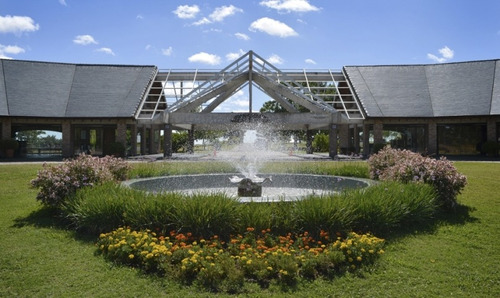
[(406, 166), (57, 183), (254, 257)]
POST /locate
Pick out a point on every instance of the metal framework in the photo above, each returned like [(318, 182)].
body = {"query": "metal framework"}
[(201, 91)]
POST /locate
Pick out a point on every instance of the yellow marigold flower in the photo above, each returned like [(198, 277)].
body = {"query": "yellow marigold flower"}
[(212, 264), (249, 262), (371, 251), (381, 251), (102, 235), (131, 256), (359, 259), (270, 268), (183, 267), (149, 256), (350, 259)]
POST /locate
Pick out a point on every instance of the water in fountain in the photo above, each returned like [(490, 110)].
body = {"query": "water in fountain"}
[(257, 148)]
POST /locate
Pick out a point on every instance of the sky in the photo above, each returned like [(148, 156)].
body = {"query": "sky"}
[(290, 34)]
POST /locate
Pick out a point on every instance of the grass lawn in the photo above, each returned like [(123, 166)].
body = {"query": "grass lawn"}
[(458, 257)]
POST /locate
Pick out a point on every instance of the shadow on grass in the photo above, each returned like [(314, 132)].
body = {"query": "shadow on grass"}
[(461, 215), (51, 218)]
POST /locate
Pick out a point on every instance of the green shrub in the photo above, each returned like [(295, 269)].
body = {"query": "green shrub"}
[(206, 214), (321, 142)]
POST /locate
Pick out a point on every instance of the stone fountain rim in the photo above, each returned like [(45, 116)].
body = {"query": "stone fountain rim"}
[(128, 182)]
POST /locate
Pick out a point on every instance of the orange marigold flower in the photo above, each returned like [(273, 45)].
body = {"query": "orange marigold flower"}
[(250, 229)]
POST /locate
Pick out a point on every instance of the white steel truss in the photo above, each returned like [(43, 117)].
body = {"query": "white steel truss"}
[(201, 91)]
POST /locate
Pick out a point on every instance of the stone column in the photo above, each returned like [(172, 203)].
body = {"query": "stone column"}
[(344, 138), (152, 147), (309, 139), (121, 133), (143, 140), (491, 130), (432, 138), (356, 138), (332, 140), (190, 145), (378, 127), (133, 140), (366, 140), (167, 141), (67, 144), (6, 129)]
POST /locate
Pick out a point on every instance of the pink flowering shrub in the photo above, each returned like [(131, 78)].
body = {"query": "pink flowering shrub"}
[(406, 166), (56, 183)]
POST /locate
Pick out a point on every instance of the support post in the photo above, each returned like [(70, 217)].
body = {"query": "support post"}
[(143, 140), (432, 138), (152, 147), (378, 127), (67, 147), (344, 138), (309, 139), (167, 141), (366, 140), (332, 138), (190, 148), (121, 133), (356, 138), (6, 129), (133, 140)]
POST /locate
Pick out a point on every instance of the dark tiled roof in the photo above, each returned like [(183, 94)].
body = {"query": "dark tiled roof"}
[(434, 90), (42, 89)]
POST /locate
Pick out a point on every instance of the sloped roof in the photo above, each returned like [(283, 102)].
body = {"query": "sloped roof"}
[(44, 89), (434, 90)]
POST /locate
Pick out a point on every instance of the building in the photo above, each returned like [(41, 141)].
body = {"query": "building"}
[(443, 109)]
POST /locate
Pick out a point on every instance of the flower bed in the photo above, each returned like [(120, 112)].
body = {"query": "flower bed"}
[(260, 257)]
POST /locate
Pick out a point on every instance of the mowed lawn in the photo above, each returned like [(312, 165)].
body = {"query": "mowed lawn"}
[(459, 257)]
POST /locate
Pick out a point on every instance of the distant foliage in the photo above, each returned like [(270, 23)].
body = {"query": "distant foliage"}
[(57, 183), (406, 166)]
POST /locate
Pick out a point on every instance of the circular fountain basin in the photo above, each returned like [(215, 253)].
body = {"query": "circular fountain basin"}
[(283, 187)]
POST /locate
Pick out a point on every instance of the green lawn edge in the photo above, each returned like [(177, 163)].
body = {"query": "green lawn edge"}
[(458, 258)]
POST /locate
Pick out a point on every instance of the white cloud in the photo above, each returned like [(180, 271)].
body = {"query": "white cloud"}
[(167, 52), (5, 50), (220, 13), (242, 36), (84, 40), (106, 51), (275, 59), (310, 61), (203, 21), (446, 54), (17, 24), (272, 27), (186, 11), (139, 17), (289, 5), (147, 47), (63, 2), (205, 58), (234, 56)]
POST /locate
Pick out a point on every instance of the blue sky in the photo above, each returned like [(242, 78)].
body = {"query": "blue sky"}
[(293, 34)]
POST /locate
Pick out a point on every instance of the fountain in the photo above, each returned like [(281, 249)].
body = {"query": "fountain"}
[(247, 186)]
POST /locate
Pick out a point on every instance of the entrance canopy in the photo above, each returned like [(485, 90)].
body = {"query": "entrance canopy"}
[(312, 99)]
